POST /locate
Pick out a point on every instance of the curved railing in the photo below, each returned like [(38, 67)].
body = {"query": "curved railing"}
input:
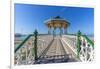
[(80, 47), (85, 48), (24, 41), (26, 51)]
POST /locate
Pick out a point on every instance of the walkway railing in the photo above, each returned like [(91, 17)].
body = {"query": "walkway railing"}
[(79, 46), (85, 48), (24, 51), (31, 48)]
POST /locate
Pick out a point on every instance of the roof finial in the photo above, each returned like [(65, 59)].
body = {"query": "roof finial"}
[(57, 17)]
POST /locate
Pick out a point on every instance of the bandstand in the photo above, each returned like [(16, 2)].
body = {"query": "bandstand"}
[(57, 22)]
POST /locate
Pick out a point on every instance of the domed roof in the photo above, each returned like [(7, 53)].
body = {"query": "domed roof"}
[(57, 19), (57, 22)]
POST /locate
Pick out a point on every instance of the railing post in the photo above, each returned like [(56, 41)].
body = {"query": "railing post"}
[(78, 43), (35, 44)]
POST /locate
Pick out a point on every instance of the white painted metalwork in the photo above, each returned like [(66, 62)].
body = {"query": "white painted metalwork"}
[(25, 54), (86, 50)]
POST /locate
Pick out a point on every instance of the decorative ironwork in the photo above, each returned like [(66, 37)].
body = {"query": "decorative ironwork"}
[(85, 48)]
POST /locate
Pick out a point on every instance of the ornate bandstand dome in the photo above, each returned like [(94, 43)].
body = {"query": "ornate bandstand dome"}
[(57, 22)]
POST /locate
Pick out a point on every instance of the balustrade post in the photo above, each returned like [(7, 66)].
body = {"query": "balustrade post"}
[(78, 43), (35, 44)]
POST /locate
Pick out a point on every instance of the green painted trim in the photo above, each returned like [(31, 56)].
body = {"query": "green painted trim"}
[(35, 44), (78, 43), (90, 41), (79, 34), (21, 44)]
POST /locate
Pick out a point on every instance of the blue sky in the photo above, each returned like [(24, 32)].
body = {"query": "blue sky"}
[(29, 17)]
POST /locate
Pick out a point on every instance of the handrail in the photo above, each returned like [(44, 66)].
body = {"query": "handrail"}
[(79, 35), (21, 44), (88, 40)]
